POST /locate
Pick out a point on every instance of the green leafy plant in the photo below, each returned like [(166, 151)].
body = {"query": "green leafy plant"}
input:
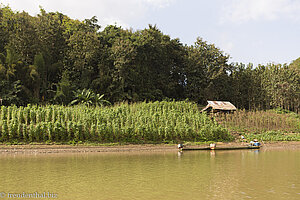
[(88, 97)]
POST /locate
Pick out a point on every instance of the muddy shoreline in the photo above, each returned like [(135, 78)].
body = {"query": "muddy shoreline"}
[(49, 149)]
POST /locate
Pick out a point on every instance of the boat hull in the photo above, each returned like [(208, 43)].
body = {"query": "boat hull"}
[(220, 148)]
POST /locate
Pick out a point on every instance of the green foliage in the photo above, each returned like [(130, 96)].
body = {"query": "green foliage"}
[(44, 58), (131, 123), (64, 93), (88, 98), (261, 122), (207, 72), (10, 93), (266, 87), (296, 64), (273, 136)]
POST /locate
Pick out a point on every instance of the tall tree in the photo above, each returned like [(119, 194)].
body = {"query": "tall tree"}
[(207, 72), (83, 53)]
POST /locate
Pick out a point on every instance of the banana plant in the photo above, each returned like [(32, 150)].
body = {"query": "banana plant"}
[(99, 101), (89, 98)]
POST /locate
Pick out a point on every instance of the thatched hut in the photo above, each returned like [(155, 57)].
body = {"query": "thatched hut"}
[(219, 106)]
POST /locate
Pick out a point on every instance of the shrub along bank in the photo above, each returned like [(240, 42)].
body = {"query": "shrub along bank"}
[(270, 125)]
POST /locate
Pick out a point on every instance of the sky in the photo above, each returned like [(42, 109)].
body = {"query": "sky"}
[(249, 31)]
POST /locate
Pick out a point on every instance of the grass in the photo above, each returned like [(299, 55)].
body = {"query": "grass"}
[(270, 125), (273, 136)]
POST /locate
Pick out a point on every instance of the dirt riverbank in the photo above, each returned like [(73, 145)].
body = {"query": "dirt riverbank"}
[(47, 149)]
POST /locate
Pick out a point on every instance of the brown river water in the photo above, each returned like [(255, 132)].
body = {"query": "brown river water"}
[(243, 174)]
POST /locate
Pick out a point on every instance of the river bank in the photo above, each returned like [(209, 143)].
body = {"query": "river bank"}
[(49, 149)]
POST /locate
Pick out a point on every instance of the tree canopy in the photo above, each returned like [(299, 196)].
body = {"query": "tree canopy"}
[(46, 58)]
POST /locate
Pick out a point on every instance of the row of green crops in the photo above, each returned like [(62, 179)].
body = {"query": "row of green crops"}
[(134, 123)]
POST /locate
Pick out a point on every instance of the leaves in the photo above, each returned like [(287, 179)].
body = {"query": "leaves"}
[(88, 98), (207, 72), (52, 55), (126, 123)]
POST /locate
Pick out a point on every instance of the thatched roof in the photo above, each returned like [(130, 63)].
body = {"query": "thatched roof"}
[(220, 105)]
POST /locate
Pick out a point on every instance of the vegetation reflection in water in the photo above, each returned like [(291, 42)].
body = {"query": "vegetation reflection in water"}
[(191, 175)]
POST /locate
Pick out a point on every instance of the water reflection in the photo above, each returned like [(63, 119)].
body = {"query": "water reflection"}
[(180, 153), (212, 153), (256, 151)]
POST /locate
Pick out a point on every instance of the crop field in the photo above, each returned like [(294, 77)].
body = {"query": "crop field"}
[(153, 122)]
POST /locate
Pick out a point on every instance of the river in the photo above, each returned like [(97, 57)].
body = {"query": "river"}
[(244, 174)]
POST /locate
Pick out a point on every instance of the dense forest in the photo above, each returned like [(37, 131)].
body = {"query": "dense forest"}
[(52, 59)]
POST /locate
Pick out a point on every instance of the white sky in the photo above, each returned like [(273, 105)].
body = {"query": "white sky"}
[(257, 31)]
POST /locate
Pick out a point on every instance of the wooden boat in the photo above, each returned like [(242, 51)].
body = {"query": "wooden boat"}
[(219, 148)]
